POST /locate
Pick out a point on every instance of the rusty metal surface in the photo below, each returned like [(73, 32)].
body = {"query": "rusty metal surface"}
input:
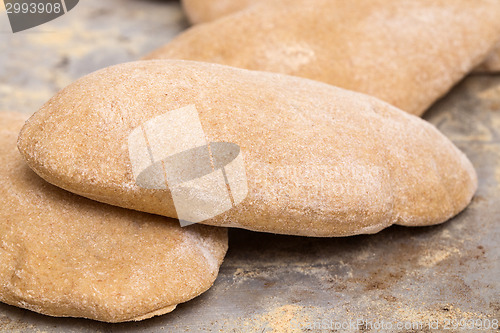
[(271, 283)]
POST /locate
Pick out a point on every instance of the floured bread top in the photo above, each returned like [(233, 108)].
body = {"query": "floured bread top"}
[(64, 255), (319, 160), (408, 53)]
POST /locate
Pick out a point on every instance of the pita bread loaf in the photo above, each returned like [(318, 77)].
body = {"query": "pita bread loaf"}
[(319, 160), (67, 256), (405, 52), (200, 11)]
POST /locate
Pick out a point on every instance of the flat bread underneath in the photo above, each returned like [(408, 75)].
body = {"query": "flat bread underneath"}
[(64, 255)]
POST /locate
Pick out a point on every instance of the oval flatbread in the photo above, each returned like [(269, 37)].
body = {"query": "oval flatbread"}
[(319, 160), (408, 53)]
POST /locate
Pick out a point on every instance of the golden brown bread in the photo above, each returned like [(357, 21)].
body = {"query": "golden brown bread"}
[(64, 255), (405, 52), (201, 11), (320, 160)]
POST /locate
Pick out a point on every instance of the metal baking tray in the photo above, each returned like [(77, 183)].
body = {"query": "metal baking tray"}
[(447, 274)]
